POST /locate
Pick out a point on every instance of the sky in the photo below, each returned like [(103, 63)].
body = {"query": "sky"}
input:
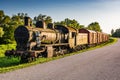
[(105, 12)]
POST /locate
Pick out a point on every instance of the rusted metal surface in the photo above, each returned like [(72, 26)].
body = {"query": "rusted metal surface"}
[(44, 38)]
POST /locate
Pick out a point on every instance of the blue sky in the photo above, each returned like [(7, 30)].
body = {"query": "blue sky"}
[(106, 12)]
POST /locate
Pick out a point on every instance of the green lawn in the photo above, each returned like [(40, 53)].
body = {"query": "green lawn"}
[(9, 64)]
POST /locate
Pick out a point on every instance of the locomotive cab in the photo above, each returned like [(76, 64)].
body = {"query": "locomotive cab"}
[(68, 35)]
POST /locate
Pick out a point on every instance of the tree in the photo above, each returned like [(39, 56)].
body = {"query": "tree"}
[(17, 20), (94, 26), (112, 31), (1, 15), (8, 25), (6, 20), (21, 15), (70, 23), (1, 32), (116, 33), (41, 17), (46, 18)]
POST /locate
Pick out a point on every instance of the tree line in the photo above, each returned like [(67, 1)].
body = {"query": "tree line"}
[(115, 33), (9, 24)]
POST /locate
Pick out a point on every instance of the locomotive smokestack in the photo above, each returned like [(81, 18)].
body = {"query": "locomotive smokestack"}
[(50, 25), (41, 24), (27, 21)]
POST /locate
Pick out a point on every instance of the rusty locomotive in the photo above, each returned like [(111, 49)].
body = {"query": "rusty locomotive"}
[(52, 40)]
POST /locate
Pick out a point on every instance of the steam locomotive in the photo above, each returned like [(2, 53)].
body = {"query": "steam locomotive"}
[(52, 40)]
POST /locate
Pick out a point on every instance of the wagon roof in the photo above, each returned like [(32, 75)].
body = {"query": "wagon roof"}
[(71, 29), (90, 31)]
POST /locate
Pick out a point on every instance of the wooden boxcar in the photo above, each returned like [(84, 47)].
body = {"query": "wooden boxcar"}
[(106, 37), (99, 37), (92, 36), (81, 39), (103, 37)]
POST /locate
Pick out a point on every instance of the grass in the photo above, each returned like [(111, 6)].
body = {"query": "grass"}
[(5, 62), (10, 64)]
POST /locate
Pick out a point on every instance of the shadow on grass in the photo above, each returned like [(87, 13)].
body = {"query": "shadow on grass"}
[(7, 62)]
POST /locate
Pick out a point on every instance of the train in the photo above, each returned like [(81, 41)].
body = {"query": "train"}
[(52, 40)]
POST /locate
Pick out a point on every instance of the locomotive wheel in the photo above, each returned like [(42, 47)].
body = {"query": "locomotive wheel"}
[(23, 60), (30, 59)]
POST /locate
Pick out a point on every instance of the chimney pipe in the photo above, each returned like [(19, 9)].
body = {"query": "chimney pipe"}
[(41, 24), (50, 25), (27, 21)]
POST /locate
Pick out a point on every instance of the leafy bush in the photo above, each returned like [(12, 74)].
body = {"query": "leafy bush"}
[(5, 47)]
